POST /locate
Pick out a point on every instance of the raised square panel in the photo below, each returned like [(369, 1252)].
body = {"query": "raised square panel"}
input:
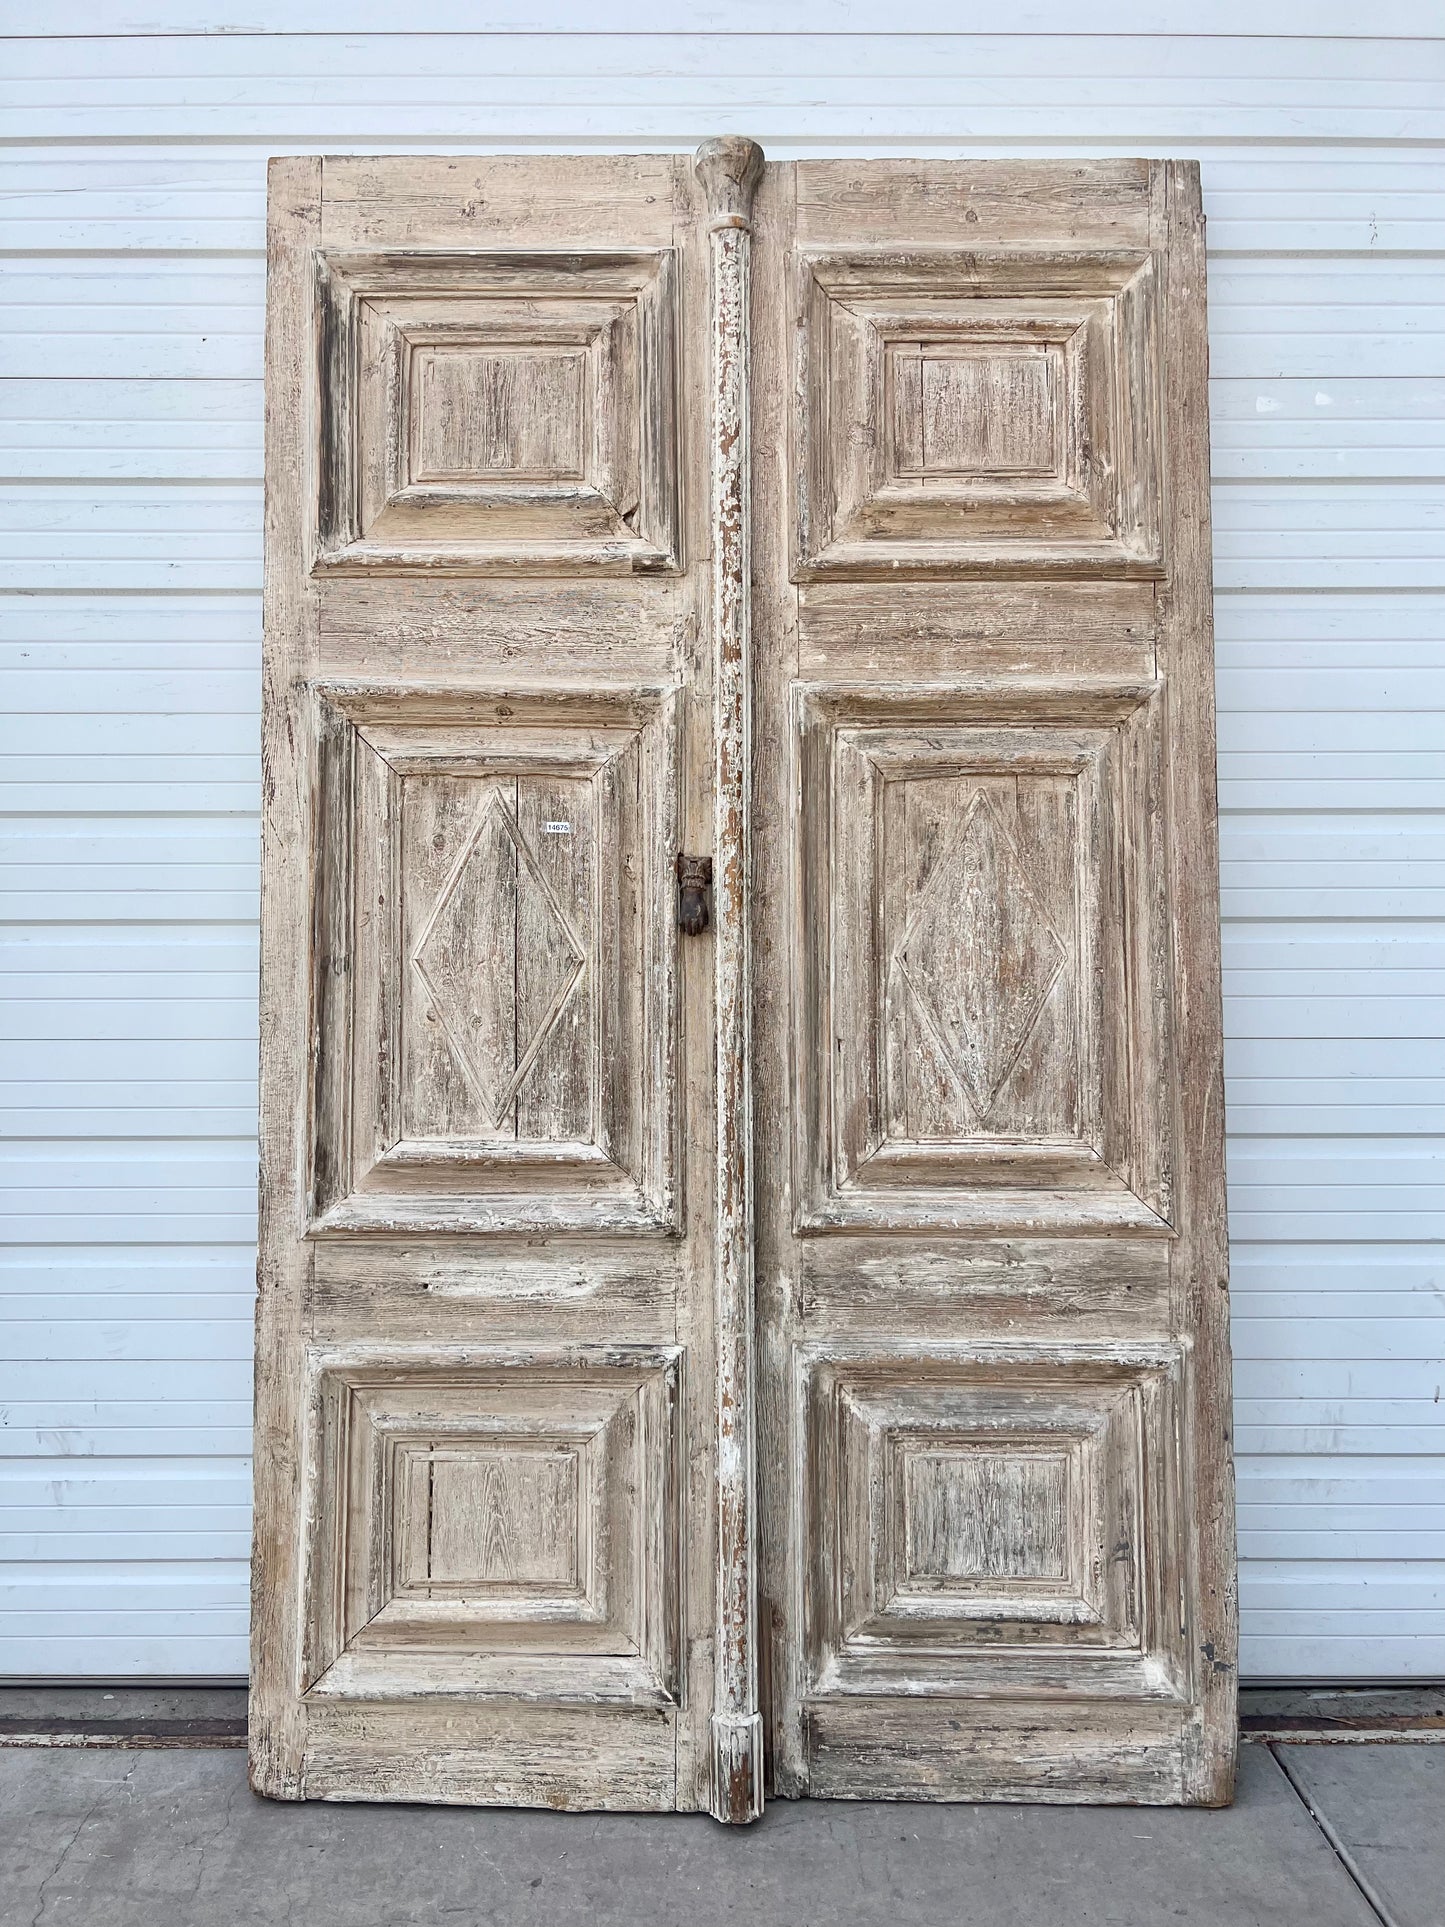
[(495, 949), (971, 413), (987, 1044), (479, 414), (476, 1516), (496, 411), (971, 1514), (974, 409), (491, 1521), (976, 1518)]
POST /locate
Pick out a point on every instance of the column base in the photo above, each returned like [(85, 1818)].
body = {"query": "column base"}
[(737, 1768)]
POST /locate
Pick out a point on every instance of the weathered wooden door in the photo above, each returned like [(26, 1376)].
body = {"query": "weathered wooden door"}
[(503, 1509), (510, 1502), (997, 1508)]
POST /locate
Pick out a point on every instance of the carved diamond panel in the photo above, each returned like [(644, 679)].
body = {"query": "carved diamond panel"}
[(987, 1042), (494, 1521), (976, 1518), (980, 954), (467, 957), (495, 961), (971, 413), (495, 411)]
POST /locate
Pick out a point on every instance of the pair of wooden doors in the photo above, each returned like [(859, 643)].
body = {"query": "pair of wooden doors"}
[(758, 1327)]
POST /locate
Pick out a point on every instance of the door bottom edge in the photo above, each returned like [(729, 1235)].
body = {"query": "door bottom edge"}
[(737, 1777)]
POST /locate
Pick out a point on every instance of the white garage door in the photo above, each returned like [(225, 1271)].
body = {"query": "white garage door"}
[(130, 330)]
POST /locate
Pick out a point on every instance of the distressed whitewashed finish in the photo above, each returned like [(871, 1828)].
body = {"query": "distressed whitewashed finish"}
[(1005, 407), (496, 1029), (489, 1477), (729, 172), (997, 1495), (507, 412), (992, 899)]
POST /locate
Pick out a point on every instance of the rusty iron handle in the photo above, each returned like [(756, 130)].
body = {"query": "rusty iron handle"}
[(694, 880)]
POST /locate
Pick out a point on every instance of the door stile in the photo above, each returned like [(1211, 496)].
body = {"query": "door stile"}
[(1201, 1257), (277, 1725), (729, 171)]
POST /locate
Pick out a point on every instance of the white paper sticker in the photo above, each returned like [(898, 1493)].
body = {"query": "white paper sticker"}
[(557, 829)]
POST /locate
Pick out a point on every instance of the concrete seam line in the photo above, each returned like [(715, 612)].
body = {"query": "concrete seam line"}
[(1336, 1844), (138, 1741)]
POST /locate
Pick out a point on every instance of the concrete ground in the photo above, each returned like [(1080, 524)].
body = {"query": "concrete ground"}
[(170, 1836)]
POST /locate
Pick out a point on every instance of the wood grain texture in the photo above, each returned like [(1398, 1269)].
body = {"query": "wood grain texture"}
[(979, 1517), (505, 201), (1202, 1257), (483, 1549), (501, 1026), (888, 203), (494, 1523), (497, 411), (987, 1029), (278, 1735), (797, 1349), (729, 171), (992, 1008), (988, 412), (953, 629)]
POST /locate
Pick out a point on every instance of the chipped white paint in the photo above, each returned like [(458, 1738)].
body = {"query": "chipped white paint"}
[(729, 171), (989, 1029)]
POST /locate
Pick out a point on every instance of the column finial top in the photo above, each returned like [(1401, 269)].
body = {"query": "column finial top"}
[(729, 170)]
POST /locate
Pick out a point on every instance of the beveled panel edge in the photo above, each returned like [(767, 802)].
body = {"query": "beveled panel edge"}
[(344, 278), (645, 1200), (1154, 1666), (1122, 537), (648, 1674), (553, 1679), (1109, 1206)]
